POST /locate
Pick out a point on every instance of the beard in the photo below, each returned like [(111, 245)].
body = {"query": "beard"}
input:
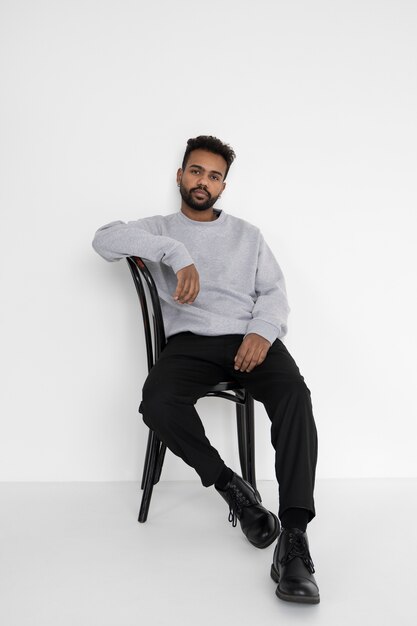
[(197, 205)]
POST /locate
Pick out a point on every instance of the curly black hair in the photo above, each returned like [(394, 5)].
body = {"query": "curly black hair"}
[(211, 144)]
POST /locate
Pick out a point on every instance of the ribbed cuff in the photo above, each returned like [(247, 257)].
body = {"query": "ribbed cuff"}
[(266, 330), (178, 258)]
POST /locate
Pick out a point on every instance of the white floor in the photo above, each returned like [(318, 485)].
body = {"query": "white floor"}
[(74, 554)]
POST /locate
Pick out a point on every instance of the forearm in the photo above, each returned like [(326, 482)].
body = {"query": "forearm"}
[(270, 315), (118, 239), (270, 311)]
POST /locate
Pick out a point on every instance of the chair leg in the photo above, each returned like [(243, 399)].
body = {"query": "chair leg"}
[(150, 472), (160, 462), (250, 439), (242, 439), (146, 462)]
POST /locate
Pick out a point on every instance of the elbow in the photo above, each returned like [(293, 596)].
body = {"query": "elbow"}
[(102, 251), (96, 245)]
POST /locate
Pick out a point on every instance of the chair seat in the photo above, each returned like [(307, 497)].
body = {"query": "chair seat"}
[(230, 385), (221, 390)]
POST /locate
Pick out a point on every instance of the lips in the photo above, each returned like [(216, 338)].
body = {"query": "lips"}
[(200, 192)]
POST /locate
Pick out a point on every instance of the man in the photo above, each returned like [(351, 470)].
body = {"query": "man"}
[(225, 310)]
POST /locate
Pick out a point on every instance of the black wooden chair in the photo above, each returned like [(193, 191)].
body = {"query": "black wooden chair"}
[(230, 390)]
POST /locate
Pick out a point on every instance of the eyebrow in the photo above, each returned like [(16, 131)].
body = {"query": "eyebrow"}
[(200, 167)]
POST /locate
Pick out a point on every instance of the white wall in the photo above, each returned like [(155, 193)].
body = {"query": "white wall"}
[(319, 100)]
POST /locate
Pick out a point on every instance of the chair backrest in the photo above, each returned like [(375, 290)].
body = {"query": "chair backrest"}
[(151, 309)]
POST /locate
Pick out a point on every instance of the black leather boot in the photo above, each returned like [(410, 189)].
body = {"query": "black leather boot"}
[(293, 569), (260, 526)]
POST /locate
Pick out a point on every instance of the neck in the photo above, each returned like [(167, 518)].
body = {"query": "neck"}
[(199, 216)]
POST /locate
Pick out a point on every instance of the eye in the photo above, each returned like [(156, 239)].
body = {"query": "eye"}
[(215, 177)]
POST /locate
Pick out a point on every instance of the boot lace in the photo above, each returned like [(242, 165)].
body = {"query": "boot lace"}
[(237, 501), (298, 548)]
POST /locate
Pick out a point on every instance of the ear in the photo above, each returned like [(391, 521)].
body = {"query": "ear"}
[(179, 174)]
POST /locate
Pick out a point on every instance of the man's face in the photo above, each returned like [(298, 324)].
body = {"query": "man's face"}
[(201, 181)]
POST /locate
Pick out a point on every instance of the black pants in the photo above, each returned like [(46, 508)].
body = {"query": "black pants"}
[(189, 365)]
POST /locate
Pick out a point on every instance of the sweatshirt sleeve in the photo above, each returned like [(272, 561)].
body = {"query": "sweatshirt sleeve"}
[(118, 239), (270, 312)]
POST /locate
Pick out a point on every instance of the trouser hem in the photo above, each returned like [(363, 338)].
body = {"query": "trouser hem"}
[(312, 512)]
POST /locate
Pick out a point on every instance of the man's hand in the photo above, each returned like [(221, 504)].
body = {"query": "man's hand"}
[(252, 352), (188, 285)]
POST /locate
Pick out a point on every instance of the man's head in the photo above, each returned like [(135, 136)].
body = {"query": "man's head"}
[(205, 166)]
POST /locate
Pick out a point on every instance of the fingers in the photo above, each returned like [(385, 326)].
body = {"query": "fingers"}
[(188, 285), (252, 352), (186, 292), (246, 361)]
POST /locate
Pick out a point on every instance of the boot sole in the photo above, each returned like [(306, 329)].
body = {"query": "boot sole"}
[(289, 598), (271, 538)]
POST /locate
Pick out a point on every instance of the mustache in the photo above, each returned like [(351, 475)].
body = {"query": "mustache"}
[(201, 189)]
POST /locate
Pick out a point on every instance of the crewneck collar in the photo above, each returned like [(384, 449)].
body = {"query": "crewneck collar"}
[(219, 220)]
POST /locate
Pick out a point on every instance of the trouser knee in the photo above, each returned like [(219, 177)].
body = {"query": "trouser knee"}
[(293, 401), (155, 407), (294, 391)]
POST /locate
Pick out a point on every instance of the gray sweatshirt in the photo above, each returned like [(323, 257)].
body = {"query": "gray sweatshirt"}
[(242, 288)]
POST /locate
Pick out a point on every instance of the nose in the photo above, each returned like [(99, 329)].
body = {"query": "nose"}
[(202, 180)]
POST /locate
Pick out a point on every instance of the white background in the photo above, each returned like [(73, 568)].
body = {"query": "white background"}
[(319, 101)]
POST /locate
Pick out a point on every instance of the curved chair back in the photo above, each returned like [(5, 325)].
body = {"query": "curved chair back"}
[(151, 309)]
